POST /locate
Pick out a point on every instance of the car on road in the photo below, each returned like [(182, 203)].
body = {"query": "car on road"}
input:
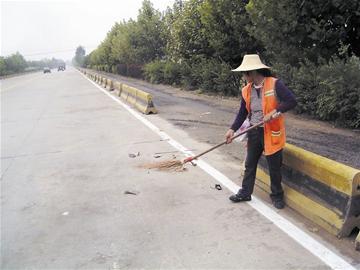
[(47, 70), (61, 68)]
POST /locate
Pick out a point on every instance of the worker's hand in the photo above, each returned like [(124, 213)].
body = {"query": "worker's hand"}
[(228, 136), (271, 115)]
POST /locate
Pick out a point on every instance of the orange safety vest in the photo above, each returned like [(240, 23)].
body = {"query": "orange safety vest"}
[(274, 131)]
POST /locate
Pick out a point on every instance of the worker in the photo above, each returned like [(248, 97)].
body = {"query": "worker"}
[(264, 98)]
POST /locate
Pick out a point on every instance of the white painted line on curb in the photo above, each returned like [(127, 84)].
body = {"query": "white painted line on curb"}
[(316, 248)]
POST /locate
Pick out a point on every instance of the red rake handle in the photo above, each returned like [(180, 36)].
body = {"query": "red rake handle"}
[(189, 159)]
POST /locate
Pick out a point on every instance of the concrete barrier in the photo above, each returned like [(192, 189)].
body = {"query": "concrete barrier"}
[(104, 82), (140, 99), (325, 191), (128, 94), (117, 87), (110, 84)]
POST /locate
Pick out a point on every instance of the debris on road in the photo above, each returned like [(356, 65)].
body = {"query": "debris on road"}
[(313, 229), (131, 155), (217, 186), (128, 192), (157, 156)]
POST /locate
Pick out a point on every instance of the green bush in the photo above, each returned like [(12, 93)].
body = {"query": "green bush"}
[(135, 71), (172, 73), (189, 77), (121, 69), (327, 91), (217, 77), (163, 72), (339, 99), (207, 74), (154, 71)]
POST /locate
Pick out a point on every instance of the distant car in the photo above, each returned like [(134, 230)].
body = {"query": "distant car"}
[(61, 68), (47, 70)]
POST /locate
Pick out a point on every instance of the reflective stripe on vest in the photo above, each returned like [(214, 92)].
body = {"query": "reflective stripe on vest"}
[(274, 131)]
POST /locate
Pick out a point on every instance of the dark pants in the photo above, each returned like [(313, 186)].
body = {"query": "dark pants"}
[(274, 161)]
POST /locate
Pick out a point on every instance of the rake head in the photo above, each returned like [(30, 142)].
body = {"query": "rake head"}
[(168, 165)]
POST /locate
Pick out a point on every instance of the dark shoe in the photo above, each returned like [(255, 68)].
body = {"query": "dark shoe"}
[(279, 204), (239, 198)]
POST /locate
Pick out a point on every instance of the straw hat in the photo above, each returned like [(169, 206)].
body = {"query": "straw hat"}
[(250, 62)]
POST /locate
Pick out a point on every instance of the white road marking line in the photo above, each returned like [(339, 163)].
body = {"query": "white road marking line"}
[(316, 248)]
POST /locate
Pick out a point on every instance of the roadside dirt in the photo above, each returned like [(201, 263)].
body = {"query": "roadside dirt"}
[(208, 117)]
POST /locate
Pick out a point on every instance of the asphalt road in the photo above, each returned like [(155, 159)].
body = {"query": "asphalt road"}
[(65, 169)]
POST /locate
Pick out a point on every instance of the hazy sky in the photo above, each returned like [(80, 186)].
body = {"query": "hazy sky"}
[(39, 29)]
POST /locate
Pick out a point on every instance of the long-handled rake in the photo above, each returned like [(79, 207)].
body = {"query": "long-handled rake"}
[(178, 165)]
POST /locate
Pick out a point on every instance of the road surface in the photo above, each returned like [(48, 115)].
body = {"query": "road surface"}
[(69, 153)]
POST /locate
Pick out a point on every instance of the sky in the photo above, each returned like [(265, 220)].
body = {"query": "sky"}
[(46, 29)]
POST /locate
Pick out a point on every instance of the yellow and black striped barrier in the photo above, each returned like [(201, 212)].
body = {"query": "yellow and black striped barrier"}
[(109, 84), (104, 82), (117, 86), (323, 190), (141, 100)]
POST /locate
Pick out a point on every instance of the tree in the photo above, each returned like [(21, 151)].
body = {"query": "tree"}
[(149, 41), (15, 63), (224, 26), (79, 56), (296, 31), (122, 50), (132, 42), (2, 66), (187, 39)]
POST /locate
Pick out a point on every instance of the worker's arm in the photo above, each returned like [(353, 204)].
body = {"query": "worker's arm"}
[(286, 99), (240, 117), (239, 120)]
